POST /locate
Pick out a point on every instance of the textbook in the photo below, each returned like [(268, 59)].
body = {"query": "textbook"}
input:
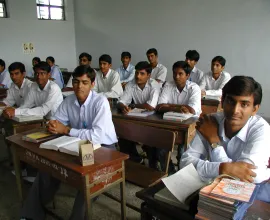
[(175, 116), (213, 97), (140, 112), (39, 136), (66, 144), (24, 118)]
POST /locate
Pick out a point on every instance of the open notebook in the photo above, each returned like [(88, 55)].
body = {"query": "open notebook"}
[(66, 144), (140, 112)]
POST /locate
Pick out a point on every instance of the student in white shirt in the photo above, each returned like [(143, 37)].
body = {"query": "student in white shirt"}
[(126, 70), (107, 80), (56, 73), (213, 81), (35, 61), (159, 72), (44, 97), (5, 80), (85, 115), (192, 58)]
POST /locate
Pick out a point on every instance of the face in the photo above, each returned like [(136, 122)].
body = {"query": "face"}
[(84, 61), (125, 60), (17, 76), (180, 77), (216, 67), (238, 109), (82, 86), (152, 58), (192, 63), (104, 66), (50, 62), (2, 68), (42, 77), (141, 76), (34, 62)]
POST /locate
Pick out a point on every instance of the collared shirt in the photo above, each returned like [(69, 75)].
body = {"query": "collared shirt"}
[(196, 75), (126, 75), (57, 75), (5, 79), (149, 94), (214, 87), (109, 85), (190, 95), (250, 144), (91, 121), (159, 72), (41, 102), (16, 95)]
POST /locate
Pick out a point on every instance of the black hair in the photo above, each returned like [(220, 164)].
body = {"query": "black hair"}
[(51, 59), (36, 59), (106, 58), (2, 63), (219, 59), (16, 66), (243, 86), (43, 66), (144, 65), (193, 55), (183, 65), (84, 69), (126, 54), (87, 55), (152, 50)]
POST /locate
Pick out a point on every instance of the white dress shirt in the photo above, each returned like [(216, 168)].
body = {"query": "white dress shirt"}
[(5, 79), (109, 85), (41, 102), (196, 75), (149, 94), (190, 95), (91, 121), (250, 144), (16, 95), (57, 75), (159, 72), (30, 73), (214, 87), (126, 75)]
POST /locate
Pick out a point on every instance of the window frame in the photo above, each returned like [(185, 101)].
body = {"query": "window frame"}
[(49, 11), (3, 2)]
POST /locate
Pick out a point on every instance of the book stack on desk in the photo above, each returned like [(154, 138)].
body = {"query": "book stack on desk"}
[(212, 97), (25, 118), (175, 116)]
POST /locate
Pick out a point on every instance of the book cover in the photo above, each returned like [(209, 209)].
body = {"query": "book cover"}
[(40, 136), (140, 112), (24, 118)]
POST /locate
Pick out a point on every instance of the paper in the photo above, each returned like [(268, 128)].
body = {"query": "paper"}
[(67, 93)]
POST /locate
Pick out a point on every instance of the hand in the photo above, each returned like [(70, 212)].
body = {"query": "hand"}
[(9, 112), (208, 127), (184, 110), (125, 109), (124, 84), (203, 93), (240, 169), (160, 106), (57, 127)]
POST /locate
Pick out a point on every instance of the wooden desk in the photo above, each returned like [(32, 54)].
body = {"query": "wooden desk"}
[(210, 106), (3, 93), (107, 171)]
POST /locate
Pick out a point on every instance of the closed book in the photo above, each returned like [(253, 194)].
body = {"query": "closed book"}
[(138, 112), (175, 116), (38, 137), (24, 118)]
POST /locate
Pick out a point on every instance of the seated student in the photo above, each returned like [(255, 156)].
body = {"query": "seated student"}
[(192, 58), (56, 73), (5, 80), (107, 80), (44, 97), (85, 115), (35, 61), (84, 59), (159, 72), (144, 93), (127, 70), (213, 81)]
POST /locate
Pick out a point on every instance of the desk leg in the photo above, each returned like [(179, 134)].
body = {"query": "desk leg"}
[(123, 193), (88, 205)]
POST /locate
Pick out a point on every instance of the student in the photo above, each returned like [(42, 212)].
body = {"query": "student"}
[(56, 73), (126, 70), (159, 72), (213, 81), (5, 80), (192, 58), (20, 86), (144, 93), (85, 115), (35, 61), (44, 97), (84, 59), (107, 80)]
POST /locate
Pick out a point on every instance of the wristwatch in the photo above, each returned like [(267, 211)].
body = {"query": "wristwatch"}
[(215, 145)]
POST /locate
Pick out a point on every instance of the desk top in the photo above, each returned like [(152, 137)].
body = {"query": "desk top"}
[(210, 102)]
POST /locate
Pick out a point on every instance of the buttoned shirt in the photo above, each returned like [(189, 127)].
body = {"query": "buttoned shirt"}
[(16, 95), (190, 95), (109, 85), (149, 94), (5, 79), (250, 144), (57, 75), (214, 87), (41, 102), (159, 72), (196, 75), (126, 75), (90, 121)]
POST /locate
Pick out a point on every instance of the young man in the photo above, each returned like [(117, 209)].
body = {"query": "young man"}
[(35, 61), (107, 80), (192, 58), (44, 97), (159, 72), (85, 115), (56, 73), (144, 93), (5, 80), (126, 70), (213, 81)]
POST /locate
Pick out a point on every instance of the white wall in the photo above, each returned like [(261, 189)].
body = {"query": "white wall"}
[(239, 30), (50, 38)]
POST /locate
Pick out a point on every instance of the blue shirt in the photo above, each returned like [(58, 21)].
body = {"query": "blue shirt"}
[(57, 75), (5, 79), (91, 121), (126, 75)]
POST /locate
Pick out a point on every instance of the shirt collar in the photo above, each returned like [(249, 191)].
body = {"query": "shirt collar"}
[(16, 87), (46, 87), (185, 89), (221, 74), (88, 99), (194, 69), (146, 85), (127, 69), (5, 70), (107, 75)]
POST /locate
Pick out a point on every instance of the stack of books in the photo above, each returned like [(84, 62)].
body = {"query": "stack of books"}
[(175, 116), (27, 118)]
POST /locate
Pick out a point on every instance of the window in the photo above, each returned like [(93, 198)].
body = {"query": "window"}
[(50, 9), (3, 11)]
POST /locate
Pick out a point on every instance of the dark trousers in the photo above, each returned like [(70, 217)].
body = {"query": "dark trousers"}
[(129, 147)]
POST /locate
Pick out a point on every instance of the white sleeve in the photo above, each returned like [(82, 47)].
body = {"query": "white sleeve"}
[(164, 96), (10, 100), (126, 98), (116, 89), (6, 80), (218, 91), (162, 74), (69, 84), (203, 82), (194, 100), (154, 95)]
